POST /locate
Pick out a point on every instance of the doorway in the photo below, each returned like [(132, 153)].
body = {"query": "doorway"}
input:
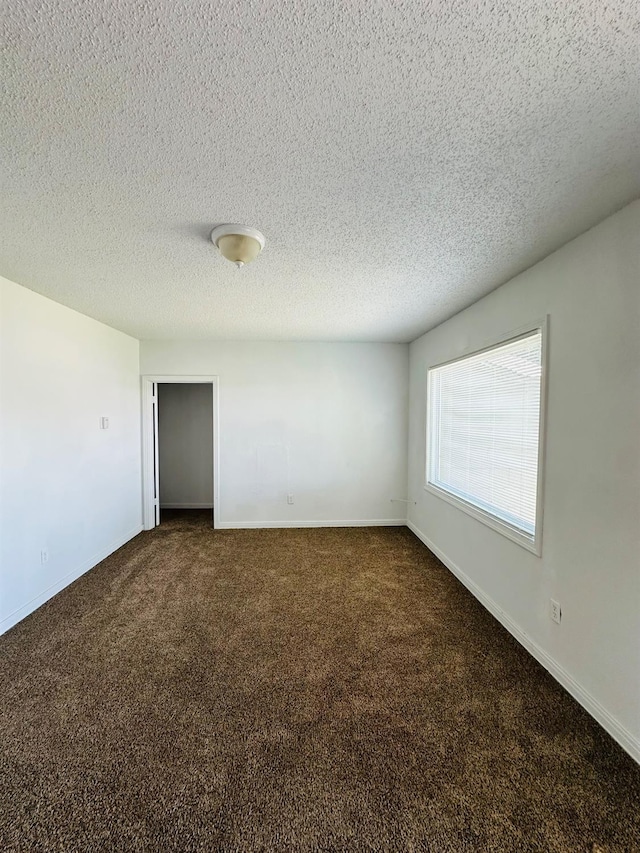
[(180, 446)]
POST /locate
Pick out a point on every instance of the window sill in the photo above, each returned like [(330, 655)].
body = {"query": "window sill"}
[(534, 545)]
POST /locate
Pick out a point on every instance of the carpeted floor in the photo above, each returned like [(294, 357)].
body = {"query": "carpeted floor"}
[(292, 690)]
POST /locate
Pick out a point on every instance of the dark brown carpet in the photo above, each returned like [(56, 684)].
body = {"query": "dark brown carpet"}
[(294, 690)]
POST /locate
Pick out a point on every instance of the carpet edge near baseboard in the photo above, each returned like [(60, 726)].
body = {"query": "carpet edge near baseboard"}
[(351, 522), (592, 706), (26, 609)]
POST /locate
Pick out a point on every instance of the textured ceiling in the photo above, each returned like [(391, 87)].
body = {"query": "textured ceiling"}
[(402, 159)]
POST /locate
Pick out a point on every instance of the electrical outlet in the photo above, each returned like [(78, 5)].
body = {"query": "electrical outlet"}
[(104, 423), (555, 611), (44, 556), (289, 498)]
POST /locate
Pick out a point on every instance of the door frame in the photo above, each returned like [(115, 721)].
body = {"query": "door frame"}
[(148, 427)]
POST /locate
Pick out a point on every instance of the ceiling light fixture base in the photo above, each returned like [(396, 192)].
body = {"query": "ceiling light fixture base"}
[(239, 244)]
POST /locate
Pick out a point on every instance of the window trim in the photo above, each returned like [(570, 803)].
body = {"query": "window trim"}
[(534, 543)]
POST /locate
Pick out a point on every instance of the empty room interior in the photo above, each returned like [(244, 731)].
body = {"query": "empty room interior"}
[(320, 426)]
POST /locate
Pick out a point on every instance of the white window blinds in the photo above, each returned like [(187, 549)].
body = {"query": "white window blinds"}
[(483, 424)]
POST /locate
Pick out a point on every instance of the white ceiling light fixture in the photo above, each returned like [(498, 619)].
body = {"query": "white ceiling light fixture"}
[(238, 243)]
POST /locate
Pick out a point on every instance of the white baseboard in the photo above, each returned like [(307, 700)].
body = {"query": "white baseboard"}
[(358, 522), (58, 586), (187, 506), (609, 723)]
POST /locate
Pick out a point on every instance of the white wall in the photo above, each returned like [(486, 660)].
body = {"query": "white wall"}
[(326, 422), (67, 486), (185, 429), (591, 538)]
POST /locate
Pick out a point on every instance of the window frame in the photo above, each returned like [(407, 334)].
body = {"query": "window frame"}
[(530, 543)]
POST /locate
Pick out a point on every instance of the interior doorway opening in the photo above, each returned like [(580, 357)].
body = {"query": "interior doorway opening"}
[(180, 448), (185, 447)]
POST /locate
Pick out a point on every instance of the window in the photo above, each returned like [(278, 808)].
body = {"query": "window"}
[(483, 435)]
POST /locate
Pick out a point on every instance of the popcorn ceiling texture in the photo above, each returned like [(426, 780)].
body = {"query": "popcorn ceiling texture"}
[(402, 159)]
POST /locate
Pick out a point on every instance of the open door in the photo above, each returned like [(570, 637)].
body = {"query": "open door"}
[(156, 461)]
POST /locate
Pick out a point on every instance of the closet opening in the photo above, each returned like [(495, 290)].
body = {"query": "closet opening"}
[(180, 440)]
